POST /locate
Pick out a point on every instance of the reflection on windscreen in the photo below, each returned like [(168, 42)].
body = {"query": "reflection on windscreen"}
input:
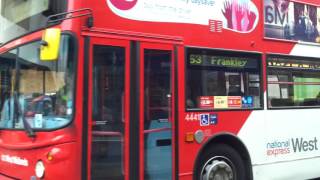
[(18, 17), (34, 91), (22, 9)]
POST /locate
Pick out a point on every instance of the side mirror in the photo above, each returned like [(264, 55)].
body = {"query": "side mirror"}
[(49, 49)]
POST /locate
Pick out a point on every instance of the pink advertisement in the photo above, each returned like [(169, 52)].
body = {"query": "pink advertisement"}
[(238, 16)]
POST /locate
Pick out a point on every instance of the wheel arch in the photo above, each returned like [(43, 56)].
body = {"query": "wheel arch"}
[(231, 140)]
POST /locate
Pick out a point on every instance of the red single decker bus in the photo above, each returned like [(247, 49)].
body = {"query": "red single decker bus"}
[(159, 89)]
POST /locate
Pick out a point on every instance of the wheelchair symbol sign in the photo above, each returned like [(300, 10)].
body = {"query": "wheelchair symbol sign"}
[(204, 120)]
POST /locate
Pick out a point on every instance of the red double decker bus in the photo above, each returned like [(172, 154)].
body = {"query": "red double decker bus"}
[(149, 89)]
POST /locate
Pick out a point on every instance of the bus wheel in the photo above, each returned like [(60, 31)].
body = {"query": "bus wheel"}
[(221, 162)]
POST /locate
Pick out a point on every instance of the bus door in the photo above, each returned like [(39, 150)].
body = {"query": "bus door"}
[(130, 133), (156, 111), (108, 146)]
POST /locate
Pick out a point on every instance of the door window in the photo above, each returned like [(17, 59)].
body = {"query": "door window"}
[(108, 109), (157, 112)]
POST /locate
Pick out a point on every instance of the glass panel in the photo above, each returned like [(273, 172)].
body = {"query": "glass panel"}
[(36, 92), (157, 73), (222, 80), (18, 17), (293, 82), (7, 78), (108, 120), (157, 122)]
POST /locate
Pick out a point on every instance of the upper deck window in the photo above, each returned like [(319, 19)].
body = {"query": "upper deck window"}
[(19, 17), (223, 80)]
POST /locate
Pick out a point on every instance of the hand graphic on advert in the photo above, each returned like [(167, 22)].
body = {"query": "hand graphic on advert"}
[(252, 18), (239, 16), (227, 12), (245, 20)]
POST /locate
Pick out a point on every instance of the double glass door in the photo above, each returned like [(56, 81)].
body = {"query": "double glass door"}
[(130, 110)]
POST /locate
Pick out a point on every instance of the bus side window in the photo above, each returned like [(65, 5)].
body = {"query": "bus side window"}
[(293, 85), (223, 75)]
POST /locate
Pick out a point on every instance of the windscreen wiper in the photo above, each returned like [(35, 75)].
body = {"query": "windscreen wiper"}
[(18, 112), (17, 105)]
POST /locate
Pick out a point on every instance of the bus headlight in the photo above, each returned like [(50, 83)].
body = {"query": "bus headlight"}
[(40, 169)]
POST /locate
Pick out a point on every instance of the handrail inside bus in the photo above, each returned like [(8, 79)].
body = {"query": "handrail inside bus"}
[(293, 83), (106, 133)]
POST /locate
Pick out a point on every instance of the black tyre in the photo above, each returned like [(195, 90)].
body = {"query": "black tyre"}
[(220, 162)]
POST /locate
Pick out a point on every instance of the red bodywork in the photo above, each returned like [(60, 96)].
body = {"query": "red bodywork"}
[(66, 144)]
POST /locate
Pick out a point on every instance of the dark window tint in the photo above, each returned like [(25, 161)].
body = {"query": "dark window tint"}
[(108, 120), (157, 85), (157, 121), (222, 80)]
